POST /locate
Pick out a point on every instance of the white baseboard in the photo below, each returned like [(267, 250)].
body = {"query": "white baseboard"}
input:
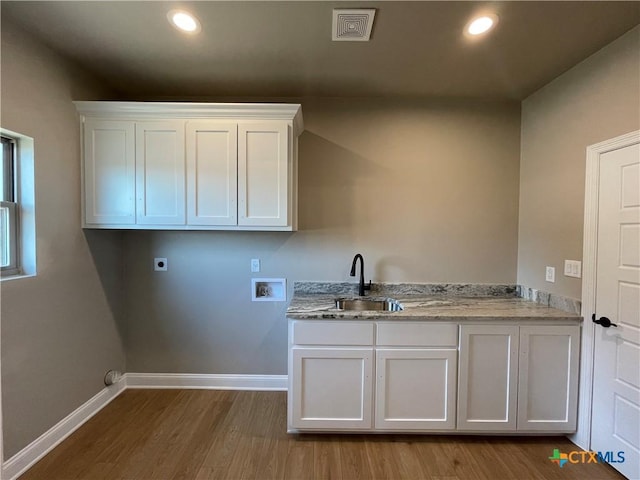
[(28, 456), (206, 381)]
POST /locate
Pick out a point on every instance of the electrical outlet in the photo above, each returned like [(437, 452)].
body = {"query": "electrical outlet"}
[(160, 265), (550, 274), (255, 265), (573, 268)]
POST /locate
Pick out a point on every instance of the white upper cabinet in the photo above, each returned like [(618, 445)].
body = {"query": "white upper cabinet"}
[(212, 163), (109, 172), (160, 173), (190, 166), (263, 174)]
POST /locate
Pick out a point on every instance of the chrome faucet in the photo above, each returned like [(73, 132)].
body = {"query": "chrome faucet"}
[(361, 286)]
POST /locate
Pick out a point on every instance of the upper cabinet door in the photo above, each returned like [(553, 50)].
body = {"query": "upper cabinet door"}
[(160, 173), (109, 172), (212, 173), (263, 174)]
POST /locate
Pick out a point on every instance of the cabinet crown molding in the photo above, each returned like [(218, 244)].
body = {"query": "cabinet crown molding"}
[(238, 111)]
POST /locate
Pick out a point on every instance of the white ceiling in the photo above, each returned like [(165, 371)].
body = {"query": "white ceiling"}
[(276, 49)]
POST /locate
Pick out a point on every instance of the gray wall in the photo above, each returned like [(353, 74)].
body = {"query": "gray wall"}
[(596, 100), (426, 191), (59, 336)]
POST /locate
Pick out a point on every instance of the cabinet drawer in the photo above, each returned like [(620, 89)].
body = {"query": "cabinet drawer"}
[(417, 334), (332, 333)]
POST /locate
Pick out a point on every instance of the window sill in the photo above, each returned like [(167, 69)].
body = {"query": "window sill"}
[(9, 275)]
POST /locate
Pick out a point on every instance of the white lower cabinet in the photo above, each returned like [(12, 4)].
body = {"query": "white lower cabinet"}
[(331, 376), (487, 381), (333, 388), (548, 378), (420, 376), (415, 389), (518, 378)]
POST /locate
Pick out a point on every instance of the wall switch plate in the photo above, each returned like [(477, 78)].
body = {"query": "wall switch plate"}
[(255, 265), (160, 264), (550, 274), (573, 268)]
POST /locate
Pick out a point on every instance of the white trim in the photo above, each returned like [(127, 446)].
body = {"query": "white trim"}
[(244, 111), (1, 424), (28, 456), (25, 199), (582, 437), (206, 381)]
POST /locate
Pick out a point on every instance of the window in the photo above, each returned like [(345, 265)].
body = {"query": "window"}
[(9, 211), (18, 206)]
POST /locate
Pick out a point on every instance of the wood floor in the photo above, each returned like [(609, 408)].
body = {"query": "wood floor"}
[(208, 434)]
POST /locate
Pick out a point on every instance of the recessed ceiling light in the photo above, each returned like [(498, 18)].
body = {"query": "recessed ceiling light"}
[(184, 21), (482, 24)]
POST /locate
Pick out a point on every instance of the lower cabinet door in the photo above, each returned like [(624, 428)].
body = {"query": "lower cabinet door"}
[(488, 378), (331, 389), (548, 378), (415, 389)]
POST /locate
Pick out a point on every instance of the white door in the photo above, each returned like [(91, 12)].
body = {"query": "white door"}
[(109, 172), (333, 388), (548, 378), (488, 377), (616, 383), (160, 173), (415, 389), (212, 173), (263, 173)]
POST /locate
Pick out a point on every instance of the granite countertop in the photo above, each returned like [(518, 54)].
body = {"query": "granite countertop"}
[(313, 300)]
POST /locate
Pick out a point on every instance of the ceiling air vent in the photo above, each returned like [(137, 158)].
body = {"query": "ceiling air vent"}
[(352, 25)]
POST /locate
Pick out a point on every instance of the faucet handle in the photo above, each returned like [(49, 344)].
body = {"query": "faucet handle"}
[(368, 287)]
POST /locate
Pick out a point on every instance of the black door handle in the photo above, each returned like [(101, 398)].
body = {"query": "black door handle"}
[(604, 321)]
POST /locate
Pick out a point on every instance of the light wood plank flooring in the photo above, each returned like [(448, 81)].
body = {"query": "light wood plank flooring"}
[(208, 434)]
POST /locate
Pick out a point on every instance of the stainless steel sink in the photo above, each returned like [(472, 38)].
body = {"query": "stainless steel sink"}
[(367, 304)]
